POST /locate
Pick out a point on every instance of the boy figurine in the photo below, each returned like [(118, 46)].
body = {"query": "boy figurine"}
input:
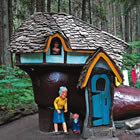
[(76, 124), (58, 115)]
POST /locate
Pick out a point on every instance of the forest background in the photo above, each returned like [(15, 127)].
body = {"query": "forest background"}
[(118, 17)]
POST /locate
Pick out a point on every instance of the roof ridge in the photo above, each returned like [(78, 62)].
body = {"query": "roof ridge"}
[(115, 37)]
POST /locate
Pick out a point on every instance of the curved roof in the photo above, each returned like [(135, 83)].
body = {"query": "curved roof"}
[(90, 64), (32, 35)]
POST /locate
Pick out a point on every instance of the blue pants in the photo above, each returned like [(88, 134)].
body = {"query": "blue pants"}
[(76, 126)]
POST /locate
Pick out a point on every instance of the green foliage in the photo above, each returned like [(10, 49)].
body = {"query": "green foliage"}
[(130, 60), (54, 6), (128, 4), (21, 10), (15, 88), (102, 12), (64, 6), (137, 85)]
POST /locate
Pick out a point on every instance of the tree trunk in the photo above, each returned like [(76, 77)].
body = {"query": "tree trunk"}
[(5, 57), (134, 23), (100, 15), (138, 22), (126, 18), (32, 9), (116, 17), (10, 15), (123, 23), (49, 6), (70, 7), (1, 34), (40, 5), (126, 28), (93, 13), (84, 10), (103, 16), (89, 5), (109, 17), (130, 26), (129, 50), (59, 6)]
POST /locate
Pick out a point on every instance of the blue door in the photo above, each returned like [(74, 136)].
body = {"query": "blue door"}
[(101, 99)]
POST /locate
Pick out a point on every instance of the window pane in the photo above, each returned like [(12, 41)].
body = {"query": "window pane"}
[(100, 84)]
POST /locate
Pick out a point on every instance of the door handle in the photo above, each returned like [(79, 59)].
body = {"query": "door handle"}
[(105, 101)]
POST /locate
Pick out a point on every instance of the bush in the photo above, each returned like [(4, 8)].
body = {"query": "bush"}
[(15, 88)]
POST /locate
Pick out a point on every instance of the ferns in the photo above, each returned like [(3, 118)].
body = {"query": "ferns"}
[(15, 88)]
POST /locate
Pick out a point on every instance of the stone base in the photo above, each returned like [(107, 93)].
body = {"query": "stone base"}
[(100, 131), (103, 131)]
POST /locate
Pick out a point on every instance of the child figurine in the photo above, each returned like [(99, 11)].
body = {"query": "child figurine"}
[(58, 115), (76, 124)]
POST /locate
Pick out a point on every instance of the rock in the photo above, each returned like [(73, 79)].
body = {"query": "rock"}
[(133, 123), (13, 114), (120, 124), (130, 125), (136, 131)]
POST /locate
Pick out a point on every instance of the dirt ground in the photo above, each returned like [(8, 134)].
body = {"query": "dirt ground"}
[(27, 128)]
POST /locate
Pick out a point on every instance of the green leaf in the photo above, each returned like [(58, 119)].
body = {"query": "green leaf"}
[(15, 87), (5, 81)]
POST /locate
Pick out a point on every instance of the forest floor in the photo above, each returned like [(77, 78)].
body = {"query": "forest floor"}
[(26, 128)]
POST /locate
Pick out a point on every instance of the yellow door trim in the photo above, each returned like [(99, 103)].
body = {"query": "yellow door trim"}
[(101, 54)]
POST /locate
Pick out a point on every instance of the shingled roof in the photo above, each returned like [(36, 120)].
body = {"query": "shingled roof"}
[(117, 72), (32, 35)]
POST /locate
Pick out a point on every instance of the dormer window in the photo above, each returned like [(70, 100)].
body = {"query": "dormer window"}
[(56, 46)]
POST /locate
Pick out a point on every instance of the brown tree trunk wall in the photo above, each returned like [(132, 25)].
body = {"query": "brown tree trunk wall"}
[(58, 6), (5, 57), (1, 34), (32, 9), (138, 22), (49, 6), (84, 10), (40, 5), (69, 6), (89, 6)]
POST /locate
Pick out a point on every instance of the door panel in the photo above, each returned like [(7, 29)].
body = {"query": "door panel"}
[(101, 99)]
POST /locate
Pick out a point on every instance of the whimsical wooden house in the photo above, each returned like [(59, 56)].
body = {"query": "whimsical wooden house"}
[(59, 49)]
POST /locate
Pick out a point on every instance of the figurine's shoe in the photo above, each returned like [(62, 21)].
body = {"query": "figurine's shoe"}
[(74, 131), (67, 133), (57, 133), (78, 131)]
